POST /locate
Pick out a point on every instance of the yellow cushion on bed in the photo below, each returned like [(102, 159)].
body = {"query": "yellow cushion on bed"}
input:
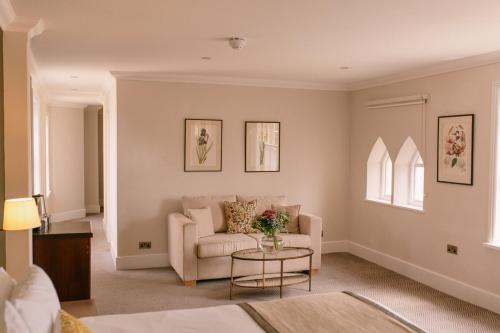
[(66, 323)]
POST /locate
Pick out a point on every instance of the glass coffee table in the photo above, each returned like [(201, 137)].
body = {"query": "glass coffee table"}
[(270, 280)]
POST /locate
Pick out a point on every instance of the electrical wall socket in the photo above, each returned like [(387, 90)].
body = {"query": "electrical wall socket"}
[(144, 245), (452, 249)]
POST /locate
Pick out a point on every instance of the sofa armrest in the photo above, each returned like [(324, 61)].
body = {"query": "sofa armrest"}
[(182, 246), (312, 225)]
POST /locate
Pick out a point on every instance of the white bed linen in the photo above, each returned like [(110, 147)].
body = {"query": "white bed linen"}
[(220, 319)]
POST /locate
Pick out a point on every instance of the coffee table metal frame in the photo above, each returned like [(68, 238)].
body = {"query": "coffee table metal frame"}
[(240, 255)]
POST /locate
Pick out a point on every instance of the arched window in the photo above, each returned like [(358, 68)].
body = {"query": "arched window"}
[(386, 177), (409, 176), (417, 181), (379, 173)]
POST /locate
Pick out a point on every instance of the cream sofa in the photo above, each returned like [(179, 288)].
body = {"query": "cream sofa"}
[(204, 258)]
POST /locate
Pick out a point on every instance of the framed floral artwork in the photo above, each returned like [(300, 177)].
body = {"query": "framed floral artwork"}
[(262, 146), (455, 160), (202, 145)]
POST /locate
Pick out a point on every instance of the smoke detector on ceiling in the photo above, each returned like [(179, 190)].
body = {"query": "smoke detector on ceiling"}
[(237, 42)]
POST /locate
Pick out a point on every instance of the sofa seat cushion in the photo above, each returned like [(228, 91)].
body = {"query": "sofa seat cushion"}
[(216, 205), (221, 244), (264, 202), (290, 240)]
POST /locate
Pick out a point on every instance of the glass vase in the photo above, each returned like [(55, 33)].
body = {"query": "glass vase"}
[(271, 244)]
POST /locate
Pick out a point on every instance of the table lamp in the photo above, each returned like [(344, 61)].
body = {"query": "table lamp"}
[(20, 214)]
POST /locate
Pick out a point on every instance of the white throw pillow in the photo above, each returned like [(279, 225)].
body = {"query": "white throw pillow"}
[(14, 323), (203, 218), (36, 301), (7, 284)]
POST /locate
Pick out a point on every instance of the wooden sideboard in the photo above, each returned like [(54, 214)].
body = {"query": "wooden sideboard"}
[(64, 253)]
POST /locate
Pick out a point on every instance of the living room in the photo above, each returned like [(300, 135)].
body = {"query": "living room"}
[(357, 113)]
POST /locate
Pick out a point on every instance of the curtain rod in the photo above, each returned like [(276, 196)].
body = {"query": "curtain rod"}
[(398, 101)]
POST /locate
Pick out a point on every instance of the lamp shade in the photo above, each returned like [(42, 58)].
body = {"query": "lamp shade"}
[(20, 214)]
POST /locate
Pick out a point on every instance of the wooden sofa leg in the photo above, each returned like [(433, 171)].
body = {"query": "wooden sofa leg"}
[(190, 283)]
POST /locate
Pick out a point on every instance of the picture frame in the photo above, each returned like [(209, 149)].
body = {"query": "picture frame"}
[(262, 146), (455, 149), (202, 145)]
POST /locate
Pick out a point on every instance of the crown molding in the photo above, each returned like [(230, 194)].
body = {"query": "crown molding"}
[(72, 99), (67, 105), (7, 14), (452, 66), (224, 80)]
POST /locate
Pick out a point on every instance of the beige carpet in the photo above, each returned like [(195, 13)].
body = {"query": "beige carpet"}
[(160, 289)]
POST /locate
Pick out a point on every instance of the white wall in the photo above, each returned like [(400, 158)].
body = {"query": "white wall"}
[(453, 213), (91, 158), (151, 180), (67, 200)]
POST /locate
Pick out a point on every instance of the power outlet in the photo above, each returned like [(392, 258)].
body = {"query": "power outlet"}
[(144, 245), (452, 249)]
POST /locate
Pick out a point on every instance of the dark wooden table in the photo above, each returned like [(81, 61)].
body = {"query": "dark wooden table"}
[(64, 253)]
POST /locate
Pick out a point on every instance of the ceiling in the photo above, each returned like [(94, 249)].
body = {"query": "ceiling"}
[(288, 40)]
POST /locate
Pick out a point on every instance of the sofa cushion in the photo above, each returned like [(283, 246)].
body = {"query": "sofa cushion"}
[(221, 244), (264, 202), (290, 240), (293, 215), (239, 216), (216, 205)]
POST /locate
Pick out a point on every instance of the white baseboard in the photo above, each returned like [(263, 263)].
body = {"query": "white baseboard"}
[(93, 209), (334, 246), (142, 261), (114, 255), (433, 279), (68, 215)]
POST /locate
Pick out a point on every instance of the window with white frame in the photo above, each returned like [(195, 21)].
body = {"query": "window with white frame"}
[(494, 237), (47, 156), (409, 177), (36, 123), (386, 177), (417, 181), (379, 173)]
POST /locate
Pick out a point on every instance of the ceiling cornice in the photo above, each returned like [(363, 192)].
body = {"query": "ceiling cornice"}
[(224, 80), (57, 97), (452, 66), (67, 105), (7, 14)]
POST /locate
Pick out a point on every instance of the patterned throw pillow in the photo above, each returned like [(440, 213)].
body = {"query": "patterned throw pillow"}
[(66, 323), (239, 216)]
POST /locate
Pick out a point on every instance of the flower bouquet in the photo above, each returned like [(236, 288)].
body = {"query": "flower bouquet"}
[(270, 223)]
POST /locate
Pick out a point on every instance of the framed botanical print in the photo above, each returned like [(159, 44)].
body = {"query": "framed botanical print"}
[(202, 145), (455, 160), (262, 146)]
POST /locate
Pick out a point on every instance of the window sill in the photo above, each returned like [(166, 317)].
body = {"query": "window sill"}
[(386, 203), (410, 207), (493, 246), (379, 201)]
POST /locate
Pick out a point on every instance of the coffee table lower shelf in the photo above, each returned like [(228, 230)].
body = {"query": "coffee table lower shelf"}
[(270, 280)]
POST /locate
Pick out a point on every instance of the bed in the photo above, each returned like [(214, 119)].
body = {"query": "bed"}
[(32, 306), (332, 312)]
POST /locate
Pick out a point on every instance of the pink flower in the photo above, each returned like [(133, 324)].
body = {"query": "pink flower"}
[(270, 214)]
